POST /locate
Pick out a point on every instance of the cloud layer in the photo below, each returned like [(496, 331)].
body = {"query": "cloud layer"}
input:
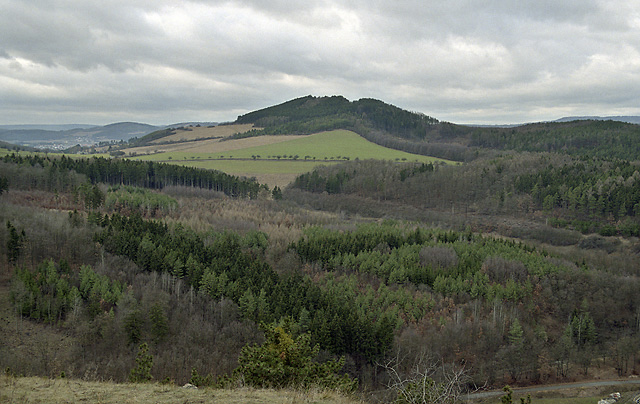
[(464, 61)]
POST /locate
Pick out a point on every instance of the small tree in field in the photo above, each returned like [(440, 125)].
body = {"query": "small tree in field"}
[(144, 362)]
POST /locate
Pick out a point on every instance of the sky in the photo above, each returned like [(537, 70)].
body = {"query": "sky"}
[(462, 61)]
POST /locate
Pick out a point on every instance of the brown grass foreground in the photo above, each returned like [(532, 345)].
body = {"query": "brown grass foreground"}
[(54, 391)]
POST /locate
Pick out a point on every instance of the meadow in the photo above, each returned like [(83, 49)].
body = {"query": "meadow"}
[(278, 161), (272, 160), (43, 390), (332, 145)]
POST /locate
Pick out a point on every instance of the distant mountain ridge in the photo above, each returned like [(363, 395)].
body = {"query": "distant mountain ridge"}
[(34, 136), (54, 127), (635, 119)]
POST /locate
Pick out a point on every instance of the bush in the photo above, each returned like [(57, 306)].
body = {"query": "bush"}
[(282, 361), (608, 230)]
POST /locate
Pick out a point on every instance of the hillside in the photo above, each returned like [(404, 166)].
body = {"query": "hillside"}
[(272, 159), (628, 119), (184, 134), (518, 266), (65, 138), (417, 133)]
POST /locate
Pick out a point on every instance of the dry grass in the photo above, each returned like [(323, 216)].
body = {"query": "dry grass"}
[(40, 390), (205, 132), (238, 144)]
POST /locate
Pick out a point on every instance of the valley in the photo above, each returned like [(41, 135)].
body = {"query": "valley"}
[(354, 236)]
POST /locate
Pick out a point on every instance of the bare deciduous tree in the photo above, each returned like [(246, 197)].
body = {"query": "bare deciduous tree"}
[(425, 381)]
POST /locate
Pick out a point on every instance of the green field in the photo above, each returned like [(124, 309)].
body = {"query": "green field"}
[(254, 166), (284, 159), (333, 145)]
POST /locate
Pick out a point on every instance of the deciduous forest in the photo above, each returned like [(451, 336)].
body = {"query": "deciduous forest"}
[(520, 265)]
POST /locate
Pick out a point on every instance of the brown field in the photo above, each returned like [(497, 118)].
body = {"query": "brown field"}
[(211, 145), (41, 390), (205, 132)]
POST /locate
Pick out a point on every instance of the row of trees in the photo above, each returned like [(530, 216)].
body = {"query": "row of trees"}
[(141, 174)]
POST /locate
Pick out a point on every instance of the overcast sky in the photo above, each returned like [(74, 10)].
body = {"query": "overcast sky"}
[(463, 61)]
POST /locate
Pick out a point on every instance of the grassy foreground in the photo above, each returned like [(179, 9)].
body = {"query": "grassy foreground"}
[(41, 390)]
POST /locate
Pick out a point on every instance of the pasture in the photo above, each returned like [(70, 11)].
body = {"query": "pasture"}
[(334, 145), (277, 160)]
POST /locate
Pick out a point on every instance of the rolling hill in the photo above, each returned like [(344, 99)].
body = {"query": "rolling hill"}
[(68, 137), (417, 133)]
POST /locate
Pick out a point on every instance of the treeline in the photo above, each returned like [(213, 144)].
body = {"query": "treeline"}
[(590, 195), (586, 138), (134, 173), (440, 143), (334, 181), (148, 138), (227, 266), (46, 177)]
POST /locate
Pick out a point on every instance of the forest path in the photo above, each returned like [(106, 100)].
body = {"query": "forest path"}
[(628, 397)]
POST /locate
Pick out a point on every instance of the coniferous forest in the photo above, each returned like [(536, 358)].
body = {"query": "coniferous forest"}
[(518, 265)]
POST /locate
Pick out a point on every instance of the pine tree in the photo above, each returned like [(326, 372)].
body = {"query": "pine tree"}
[(14, 243), (144, 362), (159, 323)]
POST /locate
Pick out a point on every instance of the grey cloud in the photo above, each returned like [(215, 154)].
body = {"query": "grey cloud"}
[(459, 58)]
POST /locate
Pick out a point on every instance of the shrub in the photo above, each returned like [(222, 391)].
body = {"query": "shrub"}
[(144, 362), (282, 361)]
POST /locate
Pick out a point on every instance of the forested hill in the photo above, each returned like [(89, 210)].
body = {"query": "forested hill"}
[(393, 127), (378, 122), (306, 114), (582, 138)]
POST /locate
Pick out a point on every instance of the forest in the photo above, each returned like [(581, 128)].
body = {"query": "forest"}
[(519, 266)]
